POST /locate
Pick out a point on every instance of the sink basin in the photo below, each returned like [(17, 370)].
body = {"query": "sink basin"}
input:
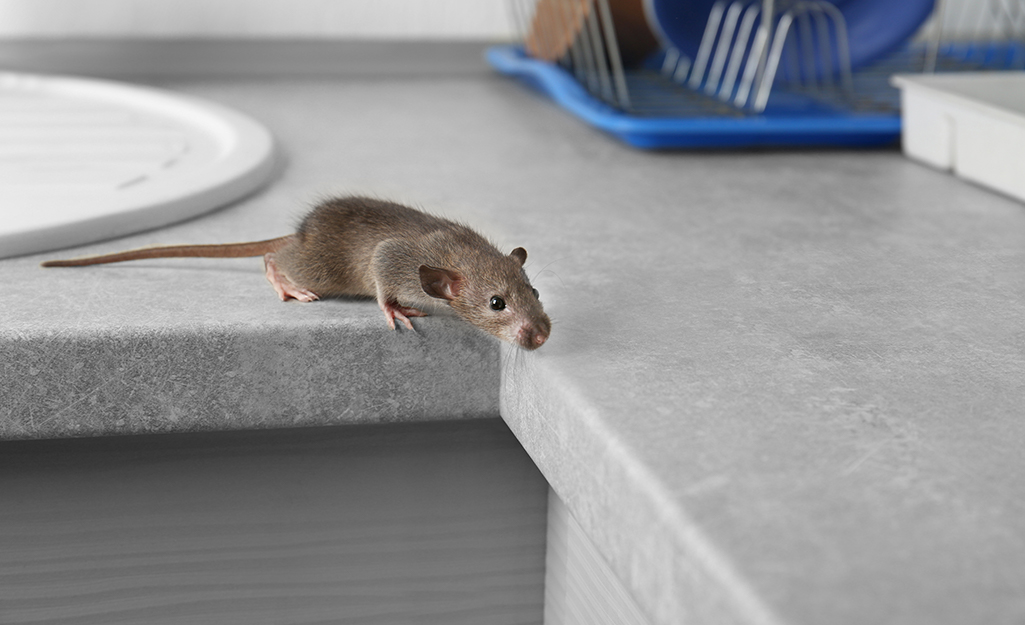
[(83, 160)]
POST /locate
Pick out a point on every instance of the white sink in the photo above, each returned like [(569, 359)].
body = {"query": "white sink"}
[(83, 160)]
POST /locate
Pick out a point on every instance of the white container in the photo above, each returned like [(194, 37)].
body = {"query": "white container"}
[(972, 124)]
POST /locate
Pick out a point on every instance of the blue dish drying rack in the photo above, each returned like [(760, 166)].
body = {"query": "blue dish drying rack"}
[(663, 114)]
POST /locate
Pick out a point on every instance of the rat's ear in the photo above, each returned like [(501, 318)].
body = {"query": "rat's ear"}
[(520, 255), (440, 283)]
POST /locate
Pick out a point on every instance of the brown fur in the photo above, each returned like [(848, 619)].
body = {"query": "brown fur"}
[(358, 246)]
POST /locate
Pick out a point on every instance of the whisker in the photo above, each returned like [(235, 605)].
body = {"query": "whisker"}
[(540, 271)]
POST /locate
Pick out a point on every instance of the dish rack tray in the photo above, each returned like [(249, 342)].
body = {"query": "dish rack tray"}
[(663, 113)]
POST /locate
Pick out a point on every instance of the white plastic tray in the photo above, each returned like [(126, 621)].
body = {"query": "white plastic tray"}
[(83, 160), (972, 124)]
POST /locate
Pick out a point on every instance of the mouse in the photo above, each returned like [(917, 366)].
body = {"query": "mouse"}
[(412, 262)]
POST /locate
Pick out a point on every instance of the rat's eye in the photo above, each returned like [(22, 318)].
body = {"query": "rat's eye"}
[(536, 294), (497, 303)]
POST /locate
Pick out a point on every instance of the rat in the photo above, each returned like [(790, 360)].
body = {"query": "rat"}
[(410, 261)]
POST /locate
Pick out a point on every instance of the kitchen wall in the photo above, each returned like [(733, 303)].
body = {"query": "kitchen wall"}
[(388, 19), (400, 19)]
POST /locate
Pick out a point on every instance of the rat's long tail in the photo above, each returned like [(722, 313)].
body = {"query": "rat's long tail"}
[(227, 250)]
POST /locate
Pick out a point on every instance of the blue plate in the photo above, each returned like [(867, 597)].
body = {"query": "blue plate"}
[(874, 27)]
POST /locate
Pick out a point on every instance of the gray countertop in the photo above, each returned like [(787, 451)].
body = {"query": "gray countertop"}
[(782, 387)]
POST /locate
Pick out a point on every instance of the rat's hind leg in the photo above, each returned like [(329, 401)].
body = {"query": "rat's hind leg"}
[(393, 311), (282, 285)]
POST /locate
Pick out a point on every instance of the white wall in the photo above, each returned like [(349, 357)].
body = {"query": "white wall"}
[(401, 19), (404, 19)]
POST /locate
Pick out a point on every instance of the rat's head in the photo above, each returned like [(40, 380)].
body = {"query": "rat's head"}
[(494, 294)]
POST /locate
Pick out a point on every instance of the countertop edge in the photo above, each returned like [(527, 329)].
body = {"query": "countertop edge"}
[(674, 571), (138, 380)]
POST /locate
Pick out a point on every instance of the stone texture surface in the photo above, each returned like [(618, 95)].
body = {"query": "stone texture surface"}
[(782, 387), (185, 377)]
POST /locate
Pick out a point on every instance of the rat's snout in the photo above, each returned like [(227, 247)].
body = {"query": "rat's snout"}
[(531, 336)]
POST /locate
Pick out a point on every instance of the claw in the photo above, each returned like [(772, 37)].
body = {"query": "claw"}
[(393, 311), (282, 285)]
